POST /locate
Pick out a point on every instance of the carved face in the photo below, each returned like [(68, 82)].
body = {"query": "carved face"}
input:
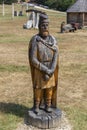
[(44, 29)]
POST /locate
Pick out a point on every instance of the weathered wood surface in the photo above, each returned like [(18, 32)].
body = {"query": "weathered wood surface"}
[(63, 125), (43, 119)]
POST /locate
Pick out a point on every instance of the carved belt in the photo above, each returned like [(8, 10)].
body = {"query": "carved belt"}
[(46, 61)]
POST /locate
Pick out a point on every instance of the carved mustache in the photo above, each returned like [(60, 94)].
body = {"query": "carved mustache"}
[(45, 30)]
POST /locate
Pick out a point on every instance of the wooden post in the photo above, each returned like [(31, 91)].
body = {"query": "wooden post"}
[(83, 19), (12, 10), (67, 19), (34, 19), (3, 11), (22, 8), (27, 9), (37, 21)]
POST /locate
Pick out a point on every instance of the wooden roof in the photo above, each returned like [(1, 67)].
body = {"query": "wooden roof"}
[(79, 6)]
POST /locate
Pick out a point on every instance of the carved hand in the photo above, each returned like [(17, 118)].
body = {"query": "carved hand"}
[(46, 77), (50, 72)]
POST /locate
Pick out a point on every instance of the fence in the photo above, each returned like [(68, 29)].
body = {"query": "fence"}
[(12, 10)]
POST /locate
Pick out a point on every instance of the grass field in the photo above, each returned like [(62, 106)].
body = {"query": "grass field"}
[(15, 79)]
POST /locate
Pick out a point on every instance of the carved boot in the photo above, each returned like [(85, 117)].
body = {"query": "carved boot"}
[(36, 107), (37, 99), (48, 106)]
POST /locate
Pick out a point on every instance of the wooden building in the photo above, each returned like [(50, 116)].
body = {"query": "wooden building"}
[(77, 13)]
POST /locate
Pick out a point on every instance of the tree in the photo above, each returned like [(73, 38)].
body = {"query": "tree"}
[(8, 1), (1, 1), (61, 5), (52, 3), (41, 1)]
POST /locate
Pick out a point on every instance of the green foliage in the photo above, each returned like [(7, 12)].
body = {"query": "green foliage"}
[(52, 3), (1, 1), (8, 1), (61, 5), (41, 1), (57, 4)]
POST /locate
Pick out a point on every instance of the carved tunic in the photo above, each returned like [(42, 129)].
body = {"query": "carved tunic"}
[(41, 58)]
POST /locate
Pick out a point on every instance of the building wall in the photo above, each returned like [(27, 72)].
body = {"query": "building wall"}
[(85, 19), (74, 17), (77, 17)]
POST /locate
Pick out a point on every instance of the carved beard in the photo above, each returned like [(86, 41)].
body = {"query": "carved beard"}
[(45, 33)]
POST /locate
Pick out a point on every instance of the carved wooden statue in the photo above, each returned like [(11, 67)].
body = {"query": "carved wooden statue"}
[(43, 58)]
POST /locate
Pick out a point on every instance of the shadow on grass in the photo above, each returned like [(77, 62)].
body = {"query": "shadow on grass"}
[(15, 109)]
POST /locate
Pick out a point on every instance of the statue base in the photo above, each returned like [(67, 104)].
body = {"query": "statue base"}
[(44, 120)]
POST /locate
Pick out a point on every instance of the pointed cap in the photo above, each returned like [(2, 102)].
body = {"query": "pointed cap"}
[(43, 17)]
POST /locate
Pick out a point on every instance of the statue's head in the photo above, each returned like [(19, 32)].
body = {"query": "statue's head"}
[(43, 25)]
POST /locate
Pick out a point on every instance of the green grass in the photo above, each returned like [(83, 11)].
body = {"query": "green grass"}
[(10, 115), (13, 38), (78, 117), (81, 68), (8, 122), (13, 68)]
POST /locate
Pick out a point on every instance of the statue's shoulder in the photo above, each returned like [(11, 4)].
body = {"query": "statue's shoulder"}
[(53, 39), (33, 39)]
